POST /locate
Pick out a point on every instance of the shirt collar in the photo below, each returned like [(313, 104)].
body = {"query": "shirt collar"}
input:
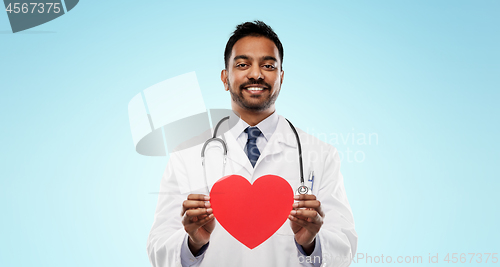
[(266, 126)]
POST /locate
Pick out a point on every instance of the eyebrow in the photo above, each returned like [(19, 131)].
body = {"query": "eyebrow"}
[(247, 58), (270, 58), (241, 57)]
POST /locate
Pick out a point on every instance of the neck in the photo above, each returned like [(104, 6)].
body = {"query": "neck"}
[(253, 117)]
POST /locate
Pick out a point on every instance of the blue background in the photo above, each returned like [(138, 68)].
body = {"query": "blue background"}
[(422, 75)]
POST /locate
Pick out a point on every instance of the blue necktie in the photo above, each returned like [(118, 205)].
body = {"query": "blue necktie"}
[(253, 152)]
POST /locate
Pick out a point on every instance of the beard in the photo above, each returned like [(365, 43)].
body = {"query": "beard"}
[(263, 104)]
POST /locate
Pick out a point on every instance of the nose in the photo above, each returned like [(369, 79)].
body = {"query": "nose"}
[(255, 72)]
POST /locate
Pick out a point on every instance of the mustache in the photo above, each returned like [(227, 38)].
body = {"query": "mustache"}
[(255, 82)]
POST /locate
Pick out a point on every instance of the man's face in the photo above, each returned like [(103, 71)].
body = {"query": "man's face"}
[(253, 74)]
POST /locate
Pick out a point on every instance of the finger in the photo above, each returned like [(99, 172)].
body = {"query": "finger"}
[(305, 219), (301, 222), (307, 214), (304, 197), (300, 217), (197, 212), (307, 204), (192, 226), (205, 220), (189, 204), (198, 197), (320, 211), (192, 204), (198, 215), (193, 215)]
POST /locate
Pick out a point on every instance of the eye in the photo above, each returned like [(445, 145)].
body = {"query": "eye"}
[(269, 66), (241, 65)]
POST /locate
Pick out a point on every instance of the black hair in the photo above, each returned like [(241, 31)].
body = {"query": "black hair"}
[(256, 28)]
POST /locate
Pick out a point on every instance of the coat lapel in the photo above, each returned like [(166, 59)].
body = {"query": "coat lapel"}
[(236, 154), (282, 136)]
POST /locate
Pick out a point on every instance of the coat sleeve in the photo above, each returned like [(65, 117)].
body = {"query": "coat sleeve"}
[(167, 233), (337, 235)]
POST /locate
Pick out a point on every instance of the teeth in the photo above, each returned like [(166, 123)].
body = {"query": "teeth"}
[(255, 88)]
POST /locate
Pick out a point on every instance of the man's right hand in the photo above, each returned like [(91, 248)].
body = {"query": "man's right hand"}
[(198, 221)]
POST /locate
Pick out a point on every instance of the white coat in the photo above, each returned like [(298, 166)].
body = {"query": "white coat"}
[(184, 175)]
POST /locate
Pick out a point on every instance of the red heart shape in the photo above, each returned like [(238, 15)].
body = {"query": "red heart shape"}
[(251, 213)]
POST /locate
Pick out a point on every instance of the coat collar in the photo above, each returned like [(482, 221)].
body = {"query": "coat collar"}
[(284, 133)]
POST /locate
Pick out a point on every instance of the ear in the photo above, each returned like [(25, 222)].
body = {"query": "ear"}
[(223, 78), (282, 76)]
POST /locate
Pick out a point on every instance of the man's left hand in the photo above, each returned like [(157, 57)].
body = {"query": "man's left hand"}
[(306, 219)]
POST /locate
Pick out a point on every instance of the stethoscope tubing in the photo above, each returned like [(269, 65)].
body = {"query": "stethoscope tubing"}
[(302, 189)]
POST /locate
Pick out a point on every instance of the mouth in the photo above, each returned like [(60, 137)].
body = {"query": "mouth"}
[(255, 89)]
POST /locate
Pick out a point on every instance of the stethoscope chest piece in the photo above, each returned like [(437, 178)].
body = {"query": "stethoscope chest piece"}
[(302, 190)]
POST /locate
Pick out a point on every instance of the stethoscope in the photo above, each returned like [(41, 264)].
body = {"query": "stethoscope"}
[(303, 189)]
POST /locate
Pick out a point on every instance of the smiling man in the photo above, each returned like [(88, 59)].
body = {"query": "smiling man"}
[(259, 142), (253, 76)]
